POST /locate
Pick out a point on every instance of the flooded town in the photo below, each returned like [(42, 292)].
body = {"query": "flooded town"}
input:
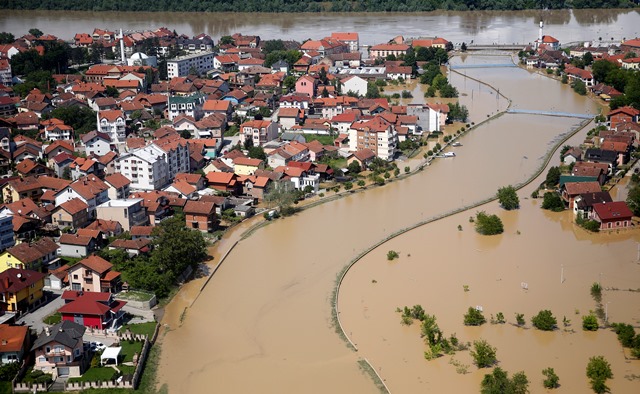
[(358, 202)]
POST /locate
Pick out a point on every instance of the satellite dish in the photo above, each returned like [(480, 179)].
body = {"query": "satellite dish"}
[(19, 276)]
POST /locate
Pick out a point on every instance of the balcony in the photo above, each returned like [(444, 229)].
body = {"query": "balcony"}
[(138, 218)]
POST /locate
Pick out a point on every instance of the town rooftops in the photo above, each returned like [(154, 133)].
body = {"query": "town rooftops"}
[(12, 337), (74, 239), (29, 253), (74, 206), (575, 188)]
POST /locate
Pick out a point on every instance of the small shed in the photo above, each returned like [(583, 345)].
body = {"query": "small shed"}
[(110, 353)]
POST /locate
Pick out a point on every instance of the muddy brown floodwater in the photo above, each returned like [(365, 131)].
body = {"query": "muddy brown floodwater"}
[(263, 323)]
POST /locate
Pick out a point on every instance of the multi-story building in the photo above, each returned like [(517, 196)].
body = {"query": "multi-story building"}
[(181, 66), (58, 132), (350, 38), (376, 134), (112, 122), (128, 212), (94, 274), (90, 189), (5, 72), (6, 230), (20, 289), (146, 167), (258, 131), (60, 351), (186, 105)]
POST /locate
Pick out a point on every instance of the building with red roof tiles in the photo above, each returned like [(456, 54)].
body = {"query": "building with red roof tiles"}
[(21, 289), (76, 245), (223, 181), (200, 215), (385, 50), (73, 214), (612, 215), (350, 38), (622, 115), (94, 274), (112, 123), (376, 134), (437, 42), (92, 309), (258, 131), (15, 343)]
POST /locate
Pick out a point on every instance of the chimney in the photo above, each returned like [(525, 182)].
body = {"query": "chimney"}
[(46, 331), (7, 282), (4, 342)]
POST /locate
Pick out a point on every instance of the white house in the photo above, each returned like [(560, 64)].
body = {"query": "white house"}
[(186, 105), (354, 84), (96, 143), (112, 123), (90, 189)]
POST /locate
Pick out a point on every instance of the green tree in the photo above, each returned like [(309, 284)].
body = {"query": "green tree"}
[(372, 90), (226, 40), (544, 321), (598, 371), (551, 380), (111, 91), (82, 119), (508, 198), (354, 167), (6, 38), (579, 87), (474, 317), (36, 32), (41, 80), (488, 224), (553, 202), (176, 247), (448, 91), (553, 176), (520, 319), (289, 83), (626, 334), (590, 322), (633, 199), (484, 355), (257, 152)]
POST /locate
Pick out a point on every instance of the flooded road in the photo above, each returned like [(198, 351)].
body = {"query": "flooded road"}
[(263, 323)]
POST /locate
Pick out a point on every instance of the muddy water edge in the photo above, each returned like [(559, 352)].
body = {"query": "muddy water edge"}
[(263, 324)]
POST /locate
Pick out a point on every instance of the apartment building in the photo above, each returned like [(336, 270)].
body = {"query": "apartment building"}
[(259, 131), (112, 123), (180, 66), (376, 134)]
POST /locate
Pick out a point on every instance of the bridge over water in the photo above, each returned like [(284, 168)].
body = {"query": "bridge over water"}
[(494, 65), (549, 113), (503, 47)]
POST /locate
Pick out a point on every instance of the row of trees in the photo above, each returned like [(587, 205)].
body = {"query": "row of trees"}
[(310, 5)]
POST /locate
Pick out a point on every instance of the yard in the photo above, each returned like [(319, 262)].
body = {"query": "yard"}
[(135, 295), (98, 373), (140, 328), (324, 139), (52, 319)]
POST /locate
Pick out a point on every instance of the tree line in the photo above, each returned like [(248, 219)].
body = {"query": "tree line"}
[(307, 5)]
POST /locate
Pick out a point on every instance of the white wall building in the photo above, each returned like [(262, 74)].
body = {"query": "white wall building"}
[(112, 122), (354, 84), (6, 230), (186, 105), (180, 66)]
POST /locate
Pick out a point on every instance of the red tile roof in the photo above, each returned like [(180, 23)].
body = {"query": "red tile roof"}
[(96, 263), (613, 210)]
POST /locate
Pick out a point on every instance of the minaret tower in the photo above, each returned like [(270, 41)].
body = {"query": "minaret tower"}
[(124, 58), (540, 33)]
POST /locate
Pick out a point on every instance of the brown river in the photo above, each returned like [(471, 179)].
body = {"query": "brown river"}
[(483, 27), (263, 323)]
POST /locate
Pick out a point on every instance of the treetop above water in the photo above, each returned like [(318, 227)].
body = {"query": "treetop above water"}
[(308, 5)]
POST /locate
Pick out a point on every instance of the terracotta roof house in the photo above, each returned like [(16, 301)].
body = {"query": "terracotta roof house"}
[(38, 256), (570, 190), (200, 215), (363, 156), (15, 342), (223, 181), (138, 232), (133, 247), (75, 245), (612, 215), (109, 228), (94, 274), (118, 186), (73, 213), (60, 351), (92, 309)]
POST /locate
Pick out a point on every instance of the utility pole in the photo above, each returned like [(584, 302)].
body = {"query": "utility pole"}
[(561, 273)]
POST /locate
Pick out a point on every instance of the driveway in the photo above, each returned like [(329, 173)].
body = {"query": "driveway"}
[(34, 319)]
